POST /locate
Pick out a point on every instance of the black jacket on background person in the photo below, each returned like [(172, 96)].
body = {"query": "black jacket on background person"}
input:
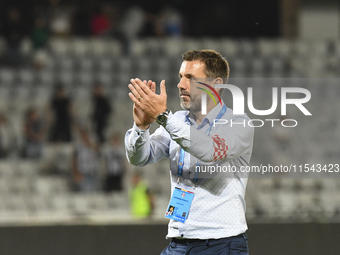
[(101, 112)]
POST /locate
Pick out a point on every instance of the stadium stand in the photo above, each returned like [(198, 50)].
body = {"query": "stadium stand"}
[(42, 189)]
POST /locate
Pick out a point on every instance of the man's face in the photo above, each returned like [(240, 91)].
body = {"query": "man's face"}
[(98, 90), (33, 115), (61, 93), (190, 99)]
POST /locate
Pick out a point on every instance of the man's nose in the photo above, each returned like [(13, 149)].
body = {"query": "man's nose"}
[(181, 84)]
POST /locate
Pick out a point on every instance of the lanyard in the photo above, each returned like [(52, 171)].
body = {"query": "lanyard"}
[(182, 152)]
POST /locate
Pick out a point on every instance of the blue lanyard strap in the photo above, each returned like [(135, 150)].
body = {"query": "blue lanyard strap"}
[(182, 152), (181, 162)]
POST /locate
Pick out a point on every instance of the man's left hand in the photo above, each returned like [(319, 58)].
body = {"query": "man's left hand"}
[(147, 100)]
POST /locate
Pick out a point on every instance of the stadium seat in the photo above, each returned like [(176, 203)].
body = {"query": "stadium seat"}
[(161, 65), (105, 65), (337, 48), (4, 98), (84, 79), (46, 78), (257, 66), (302, 47), (240, 66), (97, 202), (65, 63), (86, 64), (288, 203), (173, 47), (21, 185), (267, 204), (8, 169), (306, 202), (43, 186), (60, 47), (67, 78), (80, 47), (41, 96), (229, 48), (99, 47), (209, 43), (26, 76), (248, 48), (61, 204), (16, 205), (329, 185), (284, 48), (80, 203), (114, 48), (276, 65), (7, 76), (142, 64), (327, 202), (4, 184), (267, 48), (190, 44)]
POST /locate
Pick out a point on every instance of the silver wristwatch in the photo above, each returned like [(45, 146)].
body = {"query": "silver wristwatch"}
[(162, 118)]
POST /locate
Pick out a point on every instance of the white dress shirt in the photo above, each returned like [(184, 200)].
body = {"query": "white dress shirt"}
[(218, 208)]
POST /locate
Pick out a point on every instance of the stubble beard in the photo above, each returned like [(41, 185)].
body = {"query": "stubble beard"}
[(192, 104), (185, 105)]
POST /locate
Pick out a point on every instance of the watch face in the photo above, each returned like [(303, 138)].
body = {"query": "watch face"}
[(161, 118)]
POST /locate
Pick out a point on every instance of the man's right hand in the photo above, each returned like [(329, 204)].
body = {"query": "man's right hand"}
[(142, 120)]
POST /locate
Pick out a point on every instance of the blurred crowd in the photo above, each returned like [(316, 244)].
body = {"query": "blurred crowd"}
[(57, 124), (125, 21), (89, 19)]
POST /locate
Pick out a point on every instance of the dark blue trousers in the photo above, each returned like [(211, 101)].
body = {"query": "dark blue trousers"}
[(224, 246)]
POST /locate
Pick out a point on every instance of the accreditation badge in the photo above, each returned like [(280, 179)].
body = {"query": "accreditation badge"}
[(180, 204)]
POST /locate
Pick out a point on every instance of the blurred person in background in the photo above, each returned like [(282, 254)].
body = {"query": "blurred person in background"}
[(47, 10), (59, 18), (61, 108), (81, 25), (85, 162), (170, 21), (13, 30), (133, 22), (152, 25), (132, 25), (7, 136), (100, 23), (115, 165), (40, 36), (114, 13), (101, 112), (141, 199), (34, 133)]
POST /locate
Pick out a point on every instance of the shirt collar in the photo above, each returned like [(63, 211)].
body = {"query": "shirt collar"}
[(208, 119)]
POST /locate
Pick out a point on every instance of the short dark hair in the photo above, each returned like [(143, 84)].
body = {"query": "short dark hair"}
[(215, 65)]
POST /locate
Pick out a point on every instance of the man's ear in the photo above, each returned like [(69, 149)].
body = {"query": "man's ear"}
[(218, 80)]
